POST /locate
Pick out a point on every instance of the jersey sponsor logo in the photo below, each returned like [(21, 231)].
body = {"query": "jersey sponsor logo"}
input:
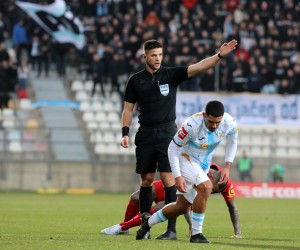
[(204, 146), (231, 192), (182, 133), (164, 89)]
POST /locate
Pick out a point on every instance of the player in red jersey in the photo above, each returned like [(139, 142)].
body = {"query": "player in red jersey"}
[(132, 216)]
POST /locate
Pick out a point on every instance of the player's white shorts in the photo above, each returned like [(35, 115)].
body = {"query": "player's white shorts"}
[(193, 174)]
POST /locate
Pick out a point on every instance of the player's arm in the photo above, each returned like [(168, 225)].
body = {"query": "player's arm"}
[(182, 136), (235, 219), (230, 151), (209, 62), (127, 115), (173, 154)]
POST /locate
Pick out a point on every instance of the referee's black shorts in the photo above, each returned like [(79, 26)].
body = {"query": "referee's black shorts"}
[(152, 144)]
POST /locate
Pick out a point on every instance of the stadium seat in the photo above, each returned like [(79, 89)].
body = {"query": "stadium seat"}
[(96, 137), (8, 124), (14, 135), (108, 137), (294, 141), (81, 96), (97, 106), (113, 117), (280, 152), (113, 148), (77, 85), (293, 152), (104, 126), (116, 126), (101, 116), (25, 104), (32, 123), (88, 116), (92, 125), (88, 85), (110, 149), (244, 140), (15, 147), (85, 106), (109, 106), (8, 113)]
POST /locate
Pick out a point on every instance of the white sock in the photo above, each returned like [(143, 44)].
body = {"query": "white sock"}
[(157, 217), (197, 223)]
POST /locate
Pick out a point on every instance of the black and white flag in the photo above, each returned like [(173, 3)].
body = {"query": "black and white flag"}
[(56, 19)]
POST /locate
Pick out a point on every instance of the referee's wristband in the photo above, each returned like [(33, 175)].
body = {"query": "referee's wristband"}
[(125, 131), (219, 55)]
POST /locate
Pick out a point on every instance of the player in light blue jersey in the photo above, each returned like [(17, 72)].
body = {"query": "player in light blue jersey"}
[(190, 154)]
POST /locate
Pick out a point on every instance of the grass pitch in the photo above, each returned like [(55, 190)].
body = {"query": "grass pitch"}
[(65, 221)]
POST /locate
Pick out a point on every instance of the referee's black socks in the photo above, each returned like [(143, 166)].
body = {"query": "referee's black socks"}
[(170, 196), (145, 199)]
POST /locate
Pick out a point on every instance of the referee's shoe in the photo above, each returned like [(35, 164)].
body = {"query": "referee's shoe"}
[(168, 235), (144, 231)]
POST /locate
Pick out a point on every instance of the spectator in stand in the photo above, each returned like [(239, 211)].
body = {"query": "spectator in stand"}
[(152, 20), (296, 70), (8, 81), (72, 65), (231, 5), (244, 167), (4, 56), (23, 74), (35, 53), (45, 48), (3, 28), (97, 74), (284, 87), (276, 173), (20, 39), (269, 29), (254, 80)]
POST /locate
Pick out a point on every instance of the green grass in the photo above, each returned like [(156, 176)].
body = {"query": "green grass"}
[(61, 221)]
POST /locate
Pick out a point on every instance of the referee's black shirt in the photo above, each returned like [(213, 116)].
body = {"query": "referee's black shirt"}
[(155, 94)]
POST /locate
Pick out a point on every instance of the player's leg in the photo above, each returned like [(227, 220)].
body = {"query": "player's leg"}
[(145, 166), (199, 188), (171, 210), (167, 178), (170, 196), (133, 207), (199, 205)]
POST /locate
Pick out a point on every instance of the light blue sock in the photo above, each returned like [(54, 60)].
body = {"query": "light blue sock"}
[(197, 222), (157, 217)]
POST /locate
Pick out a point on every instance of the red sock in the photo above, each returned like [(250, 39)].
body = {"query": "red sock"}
[(132, 210), (134, 222), (152, 211)]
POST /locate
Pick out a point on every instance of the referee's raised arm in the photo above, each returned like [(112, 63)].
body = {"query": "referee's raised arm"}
[(211, 61)]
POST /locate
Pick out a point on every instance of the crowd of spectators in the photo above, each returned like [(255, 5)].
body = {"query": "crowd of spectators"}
[(266, 60)]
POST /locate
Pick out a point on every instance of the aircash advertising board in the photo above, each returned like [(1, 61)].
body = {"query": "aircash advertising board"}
[(267, 190)]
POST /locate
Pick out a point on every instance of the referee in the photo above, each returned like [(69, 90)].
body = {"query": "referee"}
[(154, 91)]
